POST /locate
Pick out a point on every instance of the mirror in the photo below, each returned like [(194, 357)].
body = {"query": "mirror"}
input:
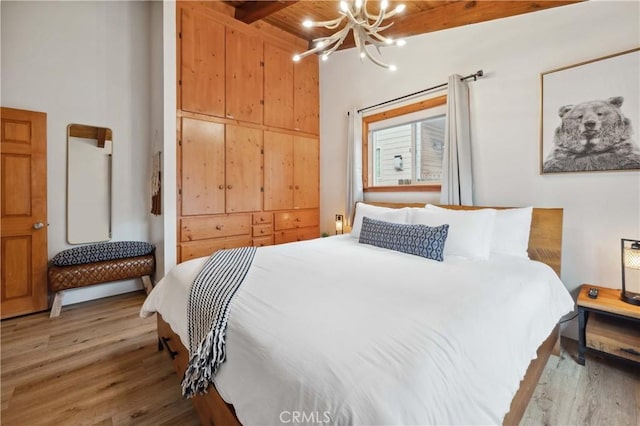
[(89, 151)]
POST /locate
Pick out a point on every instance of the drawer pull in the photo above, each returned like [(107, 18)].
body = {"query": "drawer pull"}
[(630, 351), (297, 219), (219, 227), (172, 353)]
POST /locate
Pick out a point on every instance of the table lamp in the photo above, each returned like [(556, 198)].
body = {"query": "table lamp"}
[(630, 259)]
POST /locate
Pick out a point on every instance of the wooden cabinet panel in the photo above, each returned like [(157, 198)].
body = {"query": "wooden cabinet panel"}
[(293, 235), (306, 100), (200, 228), (262, 230), (202, 167), (296, 219), (244, 76), (262, 217), (278, 171), (193, 249), (202, 64), (278, 87), (244, 149), (263, 241), (616, 336), (306, 172)]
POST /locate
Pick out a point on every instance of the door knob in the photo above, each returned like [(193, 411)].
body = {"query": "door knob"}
[(38, 225)]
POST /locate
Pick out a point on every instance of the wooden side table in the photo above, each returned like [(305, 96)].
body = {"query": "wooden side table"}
[(607, 325)]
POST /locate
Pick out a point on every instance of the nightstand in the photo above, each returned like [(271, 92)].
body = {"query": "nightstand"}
[(607, 325)]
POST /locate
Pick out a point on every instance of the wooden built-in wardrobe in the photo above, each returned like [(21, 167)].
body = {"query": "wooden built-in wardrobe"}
[(248, 125)]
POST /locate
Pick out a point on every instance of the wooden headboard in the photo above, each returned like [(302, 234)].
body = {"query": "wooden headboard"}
[(545, 239)]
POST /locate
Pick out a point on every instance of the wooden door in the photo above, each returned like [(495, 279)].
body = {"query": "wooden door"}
[(306, 176), (306, 102), (23, 185), (202, 160), (244, 169), (278, 171), (278, 87), (244, 77), (202, 48)]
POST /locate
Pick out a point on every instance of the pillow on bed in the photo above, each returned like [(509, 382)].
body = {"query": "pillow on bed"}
[(380, 213), (470, 231), (421, 240), (510, 231)]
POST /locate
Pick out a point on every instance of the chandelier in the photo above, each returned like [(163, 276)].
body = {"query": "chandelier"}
[(366, 31)]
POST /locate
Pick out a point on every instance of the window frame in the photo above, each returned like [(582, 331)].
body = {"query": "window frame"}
[(384, 115)]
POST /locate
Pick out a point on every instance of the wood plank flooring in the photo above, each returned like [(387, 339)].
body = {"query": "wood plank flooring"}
[(98, 364)]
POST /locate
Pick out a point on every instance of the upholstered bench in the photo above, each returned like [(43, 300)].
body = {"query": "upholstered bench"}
[(99, 263)]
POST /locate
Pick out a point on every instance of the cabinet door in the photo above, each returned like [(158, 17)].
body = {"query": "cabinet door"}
[(306, 176), (278, 171), (306, 101), (244, 77), (202, 70), (202, 167), (278, 87), (244, 169)]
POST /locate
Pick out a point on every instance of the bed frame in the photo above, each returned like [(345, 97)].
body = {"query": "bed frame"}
[(545, 243)]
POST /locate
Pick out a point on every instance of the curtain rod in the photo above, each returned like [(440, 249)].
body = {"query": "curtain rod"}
[(475, 76)]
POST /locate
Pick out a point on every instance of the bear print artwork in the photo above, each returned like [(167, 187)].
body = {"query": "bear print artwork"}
[(593, 135)]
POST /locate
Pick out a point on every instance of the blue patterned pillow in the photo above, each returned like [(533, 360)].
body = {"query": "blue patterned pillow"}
[(102, 251), (421, 240)]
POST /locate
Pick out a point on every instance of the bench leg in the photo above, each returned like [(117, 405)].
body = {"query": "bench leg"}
[(57, 305), (146, 283)]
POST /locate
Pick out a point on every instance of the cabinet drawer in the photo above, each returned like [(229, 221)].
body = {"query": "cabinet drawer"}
[(263, 241), (300, 234), (262, 230), (614, 336), (296, 219), (262, 217), (173, 346), (191, 250), (202, 228)]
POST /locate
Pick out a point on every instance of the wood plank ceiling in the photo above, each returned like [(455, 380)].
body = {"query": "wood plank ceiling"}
[(419, 16)]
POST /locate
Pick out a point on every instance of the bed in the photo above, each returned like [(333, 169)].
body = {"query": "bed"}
[(337, 332)]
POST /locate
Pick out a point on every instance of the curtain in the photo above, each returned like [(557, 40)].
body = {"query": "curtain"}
[(355, 191), (457, 182)]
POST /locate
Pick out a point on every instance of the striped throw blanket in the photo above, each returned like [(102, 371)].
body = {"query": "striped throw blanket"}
[(208, 310)]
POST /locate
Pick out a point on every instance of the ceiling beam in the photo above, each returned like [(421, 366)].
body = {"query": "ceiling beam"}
[(251, 11), (460, 13)]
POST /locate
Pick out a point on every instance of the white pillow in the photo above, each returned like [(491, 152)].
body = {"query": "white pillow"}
[(380, 213), (510, 231), (470, 231)]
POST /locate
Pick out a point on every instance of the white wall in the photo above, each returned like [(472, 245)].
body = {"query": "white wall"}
[(599, 208), (88, 63)]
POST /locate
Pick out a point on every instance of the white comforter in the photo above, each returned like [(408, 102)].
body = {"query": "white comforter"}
[(331, 329)]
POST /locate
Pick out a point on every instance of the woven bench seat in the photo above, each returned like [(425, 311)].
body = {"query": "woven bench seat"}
[(79, 275)]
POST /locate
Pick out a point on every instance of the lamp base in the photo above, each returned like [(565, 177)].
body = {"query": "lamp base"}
[(630, 297)]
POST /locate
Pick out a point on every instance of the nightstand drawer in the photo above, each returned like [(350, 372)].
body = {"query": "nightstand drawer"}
[(614, 336)]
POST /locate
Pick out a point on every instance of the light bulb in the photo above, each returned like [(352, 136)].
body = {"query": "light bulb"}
[(358, 3), (400, 8), (384, 4), (392, 68), (296, 58), (389, 40), (320, 43), (362, 54), (307, 23), (324, 57), (401, 42), (344, 6)]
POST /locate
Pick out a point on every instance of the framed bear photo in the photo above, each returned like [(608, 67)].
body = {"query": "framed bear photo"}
[(590, 113)]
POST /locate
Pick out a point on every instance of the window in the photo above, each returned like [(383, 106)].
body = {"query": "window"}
[(404, 147)]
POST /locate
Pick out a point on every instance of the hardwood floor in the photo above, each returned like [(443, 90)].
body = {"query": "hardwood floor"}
[(98, 364)]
